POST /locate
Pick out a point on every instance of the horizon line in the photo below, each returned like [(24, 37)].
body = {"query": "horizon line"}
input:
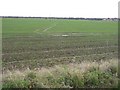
[(59, 17)]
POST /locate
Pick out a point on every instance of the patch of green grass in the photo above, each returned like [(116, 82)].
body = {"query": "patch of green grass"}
[(31, 26)]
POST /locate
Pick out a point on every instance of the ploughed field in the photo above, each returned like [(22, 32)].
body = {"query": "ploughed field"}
[(37, 43)]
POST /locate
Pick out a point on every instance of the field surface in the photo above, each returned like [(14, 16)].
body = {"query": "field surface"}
[(43, 43)]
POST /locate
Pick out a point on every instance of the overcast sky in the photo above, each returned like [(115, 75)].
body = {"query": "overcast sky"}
[(60, 8)]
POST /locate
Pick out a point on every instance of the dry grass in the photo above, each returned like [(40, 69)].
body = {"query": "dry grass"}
[(47, 77)]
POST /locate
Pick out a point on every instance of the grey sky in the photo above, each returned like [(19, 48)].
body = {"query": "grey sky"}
[(60, 8)]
